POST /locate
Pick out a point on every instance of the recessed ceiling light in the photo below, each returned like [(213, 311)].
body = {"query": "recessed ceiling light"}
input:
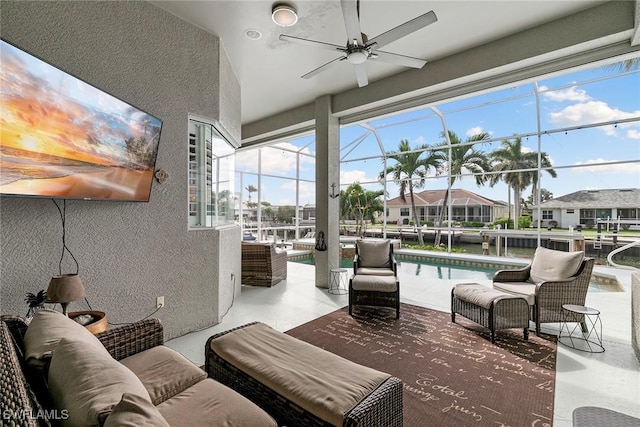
[(284, 15), (252, 34)]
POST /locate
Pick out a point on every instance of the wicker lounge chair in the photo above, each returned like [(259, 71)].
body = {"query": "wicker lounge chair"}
[(262, 265), (552, 279)]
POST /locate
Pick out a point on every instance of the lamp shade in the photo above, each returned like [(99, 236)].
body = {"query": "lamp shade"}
[(64, 289)]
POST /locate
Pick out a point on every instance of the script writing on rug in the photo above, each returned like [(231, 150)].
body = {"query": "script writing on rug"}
[(452, 374)]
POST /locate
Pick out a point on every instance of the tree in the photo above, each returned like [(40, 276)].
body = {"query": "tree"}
[(251, 189), (463, 157), (360, 203), (411, 165), (285, 214), (267, 210), (517, 168)]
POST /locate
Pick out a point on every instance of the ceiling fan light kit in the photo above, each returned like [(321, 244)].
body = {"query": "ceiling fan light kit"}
[(284, 15), (359, 49)]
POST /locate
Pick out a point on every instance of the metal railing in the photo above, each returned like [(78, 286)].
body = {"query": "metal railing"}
[(617, 251)]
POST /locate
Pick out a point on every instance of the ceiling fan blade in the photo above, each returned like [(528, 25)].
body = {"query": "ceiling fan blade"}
[(308, 42), (351, 20), (361, 74), (404, 29), (394, 58), (322, 68)]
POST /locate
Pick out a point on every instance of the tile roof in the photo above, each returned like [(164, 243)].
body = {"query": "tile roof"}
[(616, 198), (436, 197)]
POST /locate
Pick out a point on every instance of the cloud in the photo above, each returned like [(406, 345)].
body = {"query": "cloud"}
[(474, 131), (288, 193), (591, 112), (275, 160), (598, 167), (570, 94), (633, 134)]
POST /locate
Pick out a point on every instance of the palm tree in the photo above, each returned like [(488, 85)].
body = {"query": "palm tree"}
[(463, 157), (517, 168), (361, 203), (251, 189), (411, 165)]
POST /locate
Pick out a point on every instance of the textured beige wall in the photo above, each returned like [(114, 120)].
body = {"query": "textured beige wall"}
[(129, 253)]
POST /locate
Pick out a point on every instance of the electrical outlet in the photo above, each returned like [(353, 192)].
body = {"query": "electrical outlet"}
[(159, 302)]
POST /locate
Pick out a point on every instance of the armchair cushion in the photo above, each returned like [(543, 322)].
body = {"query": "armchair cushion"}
[(554, 266), (374, 253), (522, 289)]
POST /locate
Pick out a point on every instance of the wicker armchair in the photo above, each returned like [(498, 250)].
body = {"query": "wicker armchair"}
[(375, 276), (566, 282), (262, 265)]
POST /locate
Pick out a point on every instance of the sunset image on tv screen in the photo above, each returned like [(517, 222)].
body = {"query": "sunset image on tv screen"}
[(61, 137)]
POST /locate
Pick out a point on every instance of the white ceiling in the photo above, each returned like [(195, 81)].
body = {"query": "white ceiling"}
[(269, 70)]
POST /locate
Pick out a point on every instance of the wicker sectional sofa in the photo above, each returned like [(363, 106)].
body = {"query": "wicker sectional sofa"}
[(121, 377)]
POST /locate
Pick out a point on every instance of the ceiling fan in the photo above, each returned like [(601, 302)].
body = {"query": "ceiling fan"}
[(359, 48)]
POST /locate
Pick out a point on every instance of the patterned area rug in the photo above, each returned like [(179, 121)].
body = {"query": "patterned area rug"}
[(452, 374)]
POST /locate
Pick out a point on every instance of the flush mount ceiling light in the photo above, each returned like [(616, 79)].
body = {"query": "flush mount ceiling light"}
[(284, 15)]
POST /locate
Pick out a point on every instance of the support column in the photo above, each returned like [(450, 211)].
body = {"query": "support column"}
[(327, 173)]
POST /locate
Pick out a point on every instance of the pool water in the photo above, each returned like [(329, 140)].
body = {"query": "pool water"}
[(428, 268), (444, 271)]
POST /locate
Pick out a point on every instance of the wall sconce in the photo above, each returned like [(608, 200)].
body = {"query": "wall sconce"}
[(333, 194)]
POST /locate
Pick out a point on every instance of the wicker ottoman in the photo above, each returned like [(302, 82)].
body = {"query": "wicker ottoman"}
[(299, 384), (490, 308)]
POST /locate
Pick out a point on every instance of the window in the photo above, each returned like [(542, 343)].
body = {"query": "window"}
[(404, 211), (211, 174), (570, 211), (547, 214)]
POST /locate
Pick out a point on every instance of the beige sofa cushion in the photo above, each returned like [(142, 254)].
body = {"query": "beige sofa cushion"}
[(374, 253), (46, 329), (328, 387), (135, 411), (211, 404), (87, 382), (553, 266), (164, 372)]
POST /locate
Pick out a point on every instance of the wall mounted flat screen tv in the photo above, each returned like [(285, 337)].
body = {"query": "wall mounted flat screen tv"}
[(63, 138)]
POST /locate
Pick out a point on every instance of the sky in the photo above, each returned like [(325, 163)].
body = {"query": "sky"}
[(567, 101)]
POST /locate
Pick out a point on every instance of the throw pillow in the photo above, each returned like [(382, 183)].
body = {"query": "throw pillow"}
[(44, 333), (553, 266), (87, 382), (135, 411)]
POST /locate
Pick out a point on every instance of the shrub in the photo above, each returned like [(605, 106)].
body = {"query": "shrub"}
[(525, 222), (553, 224), (473, 224), (589, 224), (504, 223)]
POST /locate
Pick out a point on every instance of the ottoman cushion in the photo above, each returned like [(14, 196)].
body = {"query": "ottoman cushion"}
[(374, 283), (476, 294)]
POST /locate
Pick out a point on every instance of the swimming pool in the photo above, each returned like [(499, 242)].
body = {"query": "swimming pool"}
[(440, 269)]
